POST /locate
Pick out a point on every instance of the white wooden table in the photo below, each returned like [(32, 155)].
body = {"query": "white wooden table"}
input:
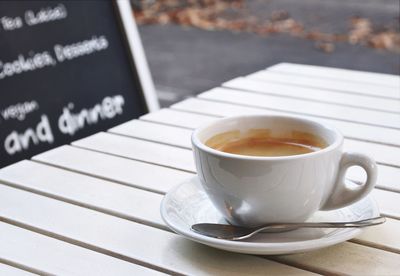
[(92, 208)]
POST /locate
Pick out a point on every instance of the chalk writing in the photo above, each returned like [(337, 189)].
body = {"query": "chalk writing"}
[(34, 61), (32, 18), (45, 15), (23, 64), (11, 23), (69, 123), (81, 48), (19, 110), (16, 142)]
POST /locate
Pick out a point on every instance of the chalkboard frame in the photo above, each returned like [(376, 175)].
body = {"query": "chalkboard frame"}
[(124, 13)]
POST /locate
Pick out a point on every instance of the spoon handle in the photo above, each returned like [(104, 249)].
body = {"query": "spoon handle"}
[(352, 224)]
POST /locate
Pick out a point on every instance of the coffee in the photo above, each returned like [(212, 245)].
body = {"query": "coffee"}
[(262, 142)]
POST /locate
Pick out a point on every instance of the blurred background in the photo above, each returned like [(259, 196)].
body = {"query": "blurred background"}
[(194, 45)]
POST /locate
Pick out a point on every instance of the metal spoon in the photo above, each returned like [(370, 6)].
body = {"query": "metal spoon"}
[(231, 232)]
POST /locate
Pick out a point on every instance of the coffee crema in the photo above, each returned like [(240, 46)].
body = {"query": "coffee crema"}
[(262, 142)]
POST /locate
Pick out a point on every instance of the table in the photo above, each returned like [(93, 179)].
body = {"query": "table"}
[(92, 208)]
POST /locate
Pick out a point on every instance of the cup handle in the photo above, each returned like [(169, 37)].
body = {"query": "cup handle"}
[(342, 195)]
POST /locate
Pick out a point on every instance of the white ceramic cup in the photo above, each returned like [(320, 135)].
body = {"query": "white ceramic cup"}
[(252, 190)]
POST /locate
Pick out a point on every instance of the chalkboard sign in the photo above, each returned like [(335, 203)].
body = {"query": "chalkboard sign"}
[(68, 69)]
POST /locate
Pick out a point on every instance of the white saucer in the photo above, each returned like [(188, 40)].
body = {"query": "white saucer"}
[(188, 204)]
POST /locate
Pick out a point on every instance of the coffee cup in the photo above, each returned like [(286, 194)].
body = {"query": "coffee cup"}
[(251, 190)]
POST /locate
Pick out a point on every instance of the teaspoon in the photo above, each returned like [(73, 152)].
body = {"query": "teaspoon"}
[(232, 232)]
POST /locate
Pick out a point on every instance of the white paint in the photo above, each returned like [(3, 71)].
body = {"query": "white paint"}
[(155, 132), (139, 150), (172, 117), (382, 236), (362, 88), (13, 271), (303, 106), (118, 236), (313, 94), (129, 172), (55, 257), (337, 74), (107, 196)]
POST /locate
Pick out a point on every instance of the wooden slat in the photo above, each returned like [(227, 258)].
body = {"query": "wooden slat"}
[(139, 150), (122, 170), (164, 115), (328, 84), (166, 134), (48, 256), (133, 205), (128, 240), (389, 242), (347, 259), (337, 74), (319, 95), (13, 271), (206, 107), (387, 177), (297, 106), (388, 202), (384, 236), (388, 155), (159, 133), (87, 191)]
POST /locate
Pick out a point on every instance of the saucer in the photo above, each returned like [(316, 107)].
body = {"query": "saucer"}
[(187, 204)]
